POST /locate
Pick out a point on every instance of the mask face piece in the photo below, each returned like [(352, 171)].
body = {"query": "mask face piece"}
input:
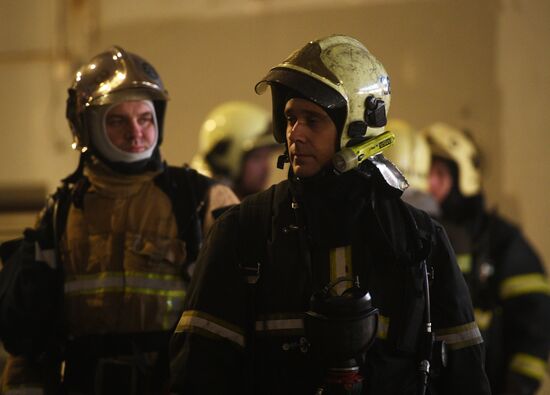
[(125, 131)]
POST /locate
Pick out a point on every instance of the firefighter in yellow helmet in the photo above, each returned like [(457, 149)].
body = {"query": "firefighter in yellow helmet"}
[(411, 154), (236, 146), (320, 282), (89, 296), (509, 287)]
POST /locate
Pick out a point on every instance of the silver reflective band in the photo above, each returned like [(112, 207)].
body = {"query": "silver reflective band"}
[(460, 336), (46, 256), (162, 284), (25, 391), (193, 319), (280, 324)]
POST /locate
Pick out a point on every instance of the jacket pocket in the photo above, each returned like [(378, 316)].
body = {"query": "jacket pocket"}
[(165, 255)]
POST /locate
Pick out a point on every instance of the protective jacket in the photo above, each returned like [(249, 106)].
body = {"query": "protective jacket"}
[(242, 330), (510, 293), (118, 258)]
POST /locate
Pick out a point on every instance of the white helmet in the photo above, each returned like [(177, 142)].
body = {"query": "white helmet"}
[(339, 74), (454, 144), (230, 131), (411, 154)]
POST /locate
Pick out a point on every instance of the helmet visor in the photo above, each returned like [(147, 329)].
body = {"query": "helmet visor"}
[(306, 85)]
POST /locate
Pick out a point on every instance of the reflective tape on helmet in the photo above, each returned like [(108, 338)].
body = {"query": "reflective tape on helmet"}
[(458, 337), (127, 282), (193, 321), (280, 324), (24, 391), (528, 365), (45, 255), (524, 284)]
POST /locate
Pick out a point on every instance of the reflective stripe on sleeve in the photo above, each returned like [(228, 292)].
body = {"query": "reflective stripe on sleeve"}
[(528, 365), (524, 284), (458, 337), (128, 282), (280, 323), (47, 255), (194, 321), (24, 391)]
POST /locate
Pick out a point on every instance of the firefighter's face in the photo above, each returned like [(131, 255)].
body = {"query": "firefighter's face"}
[(440, 180), (311, 137), (131, 126), (256, 170)]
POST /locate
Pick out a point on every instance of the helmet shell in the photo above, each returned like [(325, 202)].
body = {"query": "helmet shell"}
[(456, 145), (229, 132), (334, 72), (410, 153), (111, 77)]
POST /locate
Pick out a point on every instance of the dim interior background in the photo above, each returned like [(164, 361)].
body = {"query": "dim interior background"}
[(478, 65)]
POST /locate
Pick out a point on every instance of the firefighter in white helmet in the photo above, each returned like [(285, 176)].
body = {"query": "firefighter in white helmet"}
[(411, 154), (324, 252), (507, 281), (96, 287), (236, 146)]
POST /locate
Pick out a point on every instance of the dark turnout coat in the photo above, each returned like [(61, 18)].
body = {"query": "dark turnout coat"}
[(242, 330), (511, 297)]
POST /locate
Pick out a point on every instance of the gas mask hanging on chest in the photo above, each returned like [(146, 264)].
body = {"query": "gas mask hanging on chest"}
[(340, 329)]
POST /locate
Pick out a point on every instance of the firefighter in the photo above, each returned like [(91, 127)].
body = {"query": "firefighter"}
[(331, 246), (411, 155), (89, 297), (507, 281), (236, 147)]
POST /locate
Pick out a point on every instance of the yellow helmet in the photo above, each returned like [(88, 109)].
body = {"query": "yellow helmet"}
[(454, 144), (230, 131), (110, 77), (339, 74), (411, 153)]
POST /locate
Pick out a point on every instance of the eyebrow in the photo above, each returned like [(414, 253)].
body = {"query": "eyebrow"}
[(148, 112), (305, 112)]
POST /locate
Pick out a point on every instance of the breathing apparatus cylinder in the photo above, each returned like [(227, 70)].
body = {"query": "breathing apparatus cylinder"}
[(350, 157), (340, 329)]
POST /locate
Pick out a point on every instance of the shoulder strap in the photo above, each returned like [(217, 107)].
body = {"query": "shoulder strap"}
[(419, 235), (255, 216), (256, 213), (423, 228), (255, 224), (187, 190), (60, 212)]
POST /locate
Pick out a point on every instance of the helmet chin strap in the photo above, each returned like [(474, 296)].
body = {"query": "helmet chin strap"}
[(106, 148)]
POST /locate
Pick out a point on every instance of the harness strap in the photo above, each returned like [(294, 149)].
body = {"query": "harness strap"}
[(187, 190)]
